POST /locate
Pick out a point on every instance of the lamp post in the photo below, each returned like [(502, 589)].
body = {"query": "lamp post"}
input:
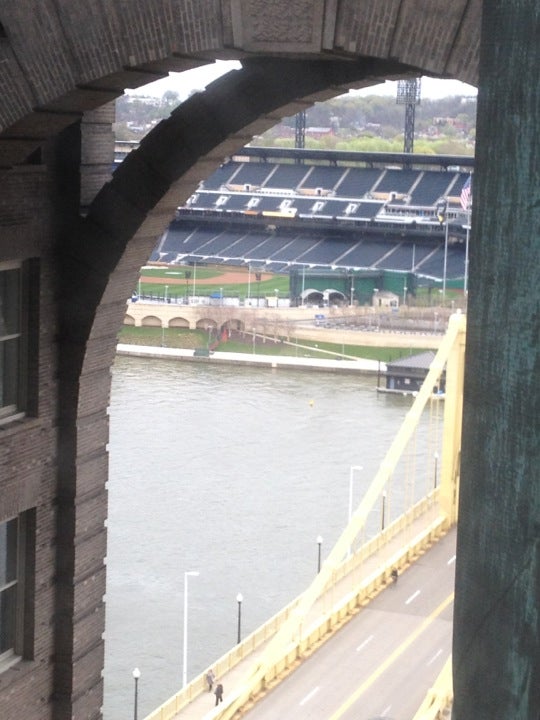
[(319, 546), (166, 293), (277, 296), (188, 275), (136, 675), (466, 272), (436, 459), (189, 573), (383, 510), (194, 281), (239, 600)]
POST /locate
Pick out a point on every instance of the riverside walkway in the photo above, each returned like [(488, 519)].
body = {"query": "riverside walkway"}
[(346, 364)]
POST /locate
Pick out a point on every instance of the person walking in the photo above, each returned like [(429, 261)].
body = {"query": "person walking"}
[(210, 677), (219, 693)]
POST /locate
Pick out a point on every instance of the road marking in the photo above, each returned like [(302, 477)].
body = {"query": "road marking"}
[(309, 695), (452, 560), (439, 652), (366, 641), (412, 597), (392, 658)]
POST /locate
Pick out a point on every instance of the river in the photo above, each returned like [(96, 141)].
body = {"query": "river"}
[(233, 473)]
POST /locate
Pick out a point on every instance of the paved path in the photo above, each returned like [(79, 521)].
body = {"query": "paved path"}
[(359, 365)]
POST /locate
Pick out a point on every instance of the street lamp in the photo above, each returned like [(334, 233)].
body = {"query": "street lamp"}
[(166, 293), (277, 296), (136, 675), (319, 544), (239, 599), (383, 510), (436, 458), (189, 573)]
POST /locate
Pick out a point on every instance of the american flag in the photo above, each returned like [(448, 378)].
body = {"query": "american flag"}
[(466, 195)]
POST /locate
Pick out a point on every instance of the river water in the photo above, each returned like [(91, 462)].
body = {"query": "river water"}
[(231, 472)]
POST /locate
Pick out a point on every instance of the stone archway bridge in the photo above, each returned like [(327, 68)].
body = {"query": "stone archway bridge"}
[(300, 323)]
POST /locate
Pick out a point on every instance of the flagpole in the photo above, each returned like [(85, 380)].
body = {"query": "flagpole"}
[(445, 257), (466, 276)]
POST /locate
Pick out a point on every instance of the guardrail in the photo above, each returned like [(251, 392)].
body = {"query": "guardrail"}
[(344, 608), (439, 698)]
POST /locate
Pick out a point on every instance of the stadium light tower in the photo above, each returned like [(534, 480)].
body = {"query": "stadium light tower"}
[(408, 94), (300, 131)]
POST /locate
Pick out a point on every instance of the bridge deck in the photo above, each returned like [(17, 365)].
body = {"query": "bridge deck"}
[(202, 703)]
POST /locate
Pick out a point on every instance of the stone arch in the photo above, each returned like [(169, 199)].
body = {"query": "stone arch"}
[(104, 249), (178, 322), (205, 323), (129, 320), (152, 321)]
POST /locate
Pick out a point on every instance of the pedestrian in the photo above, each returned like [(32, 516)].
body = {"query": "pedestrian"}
[(219, 693), (210, 677)]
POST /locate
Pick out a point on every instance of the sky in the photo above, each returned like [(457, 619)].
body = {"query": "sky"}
[(199, 78)]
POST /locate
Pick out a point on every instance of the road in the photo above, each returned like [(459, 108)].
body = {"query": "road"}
[(380, 665)]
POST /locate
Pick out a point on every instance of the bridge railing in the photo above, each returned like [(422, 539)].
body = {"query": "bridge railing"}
[(343, 606)]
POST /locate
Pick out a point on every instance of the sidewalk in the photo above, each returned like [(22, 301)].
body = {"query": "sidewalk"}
[(273, 361), (375, 570)]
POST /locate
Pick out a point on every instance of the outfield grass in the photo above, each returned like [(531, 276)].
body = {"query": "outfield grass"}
[(192, 339), (179, 286)]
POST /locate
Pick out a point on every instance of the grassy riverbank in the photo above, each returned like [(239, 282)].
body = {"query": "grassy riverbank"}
[(194, 339)]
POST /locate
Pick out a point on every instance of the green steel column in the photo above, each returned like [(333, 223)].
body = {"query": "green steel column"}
[(497, 629)]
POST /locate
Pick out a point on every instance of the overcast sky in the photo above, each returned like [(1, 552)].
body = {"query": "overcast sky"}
[(199, 78)]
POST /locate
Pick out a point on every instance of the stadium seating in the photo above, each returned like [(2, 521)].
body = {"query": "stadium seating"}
[(286, 213)]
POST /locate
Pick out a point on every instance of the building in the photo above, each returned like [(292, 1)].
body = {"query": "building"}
[(406, 375)]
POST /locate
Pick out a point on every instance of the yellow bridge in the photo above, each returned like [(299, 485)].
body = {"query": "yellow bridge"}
[(356, 570)]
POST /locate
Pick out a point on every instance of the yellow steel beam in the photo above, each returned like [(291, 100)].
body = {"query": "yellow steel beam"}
[(450, 350)]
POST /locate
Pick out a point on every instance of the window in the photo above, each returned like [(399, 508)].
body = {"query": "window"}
[(8, 585), (17, 564), (19, 293), (10, 337)]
